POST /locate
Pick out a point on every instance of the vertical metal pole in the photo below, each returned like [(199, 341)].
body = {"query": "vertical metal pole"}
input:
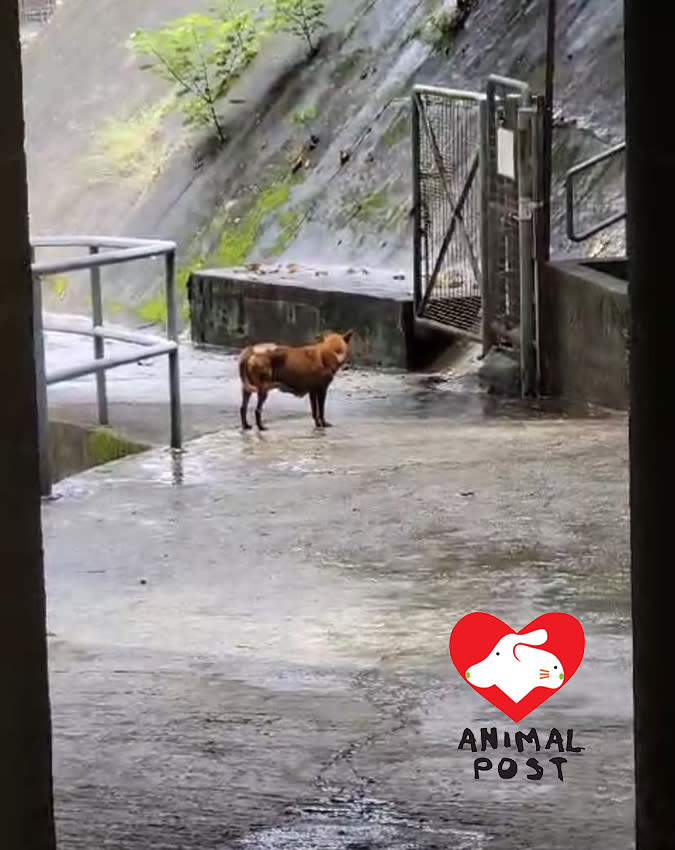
[(539, 257), (99, 343), (41, 389), (486, 282), (547, 135), (417, 212), (172, 334), (492, 227), (525, 247)]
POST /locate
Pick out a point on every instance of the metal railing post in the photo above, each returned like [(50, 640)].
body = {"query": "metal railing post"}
[(124, 250), (417, 212), (541, 246), (41, 389), (99, 342), (172, 334), (525, 245), (486, 270)]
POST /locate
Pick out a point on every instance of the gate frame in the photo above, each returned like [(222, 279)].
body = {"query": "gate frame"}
[(528, 188), (527, 169), (419, 297)]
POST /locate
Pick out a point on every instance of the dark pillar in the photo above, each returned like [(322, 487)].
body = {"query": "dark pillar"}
[(26, 820), (650, 184)]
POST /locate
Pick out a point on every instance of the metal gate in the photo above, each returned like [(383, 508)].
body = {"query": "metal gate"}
[(510, 190), (448, 265), (475, 179)]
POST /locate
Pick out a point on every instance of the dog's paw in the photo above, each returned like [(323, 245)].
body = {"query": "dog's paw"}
[(326, 425)]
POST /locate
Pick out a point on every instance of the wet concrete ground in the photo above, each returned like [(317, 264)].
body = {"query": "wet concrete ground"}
[(249, 641)]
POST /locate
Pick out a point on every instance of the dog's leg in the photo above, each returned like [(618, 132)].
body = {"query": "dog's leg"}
[(321, 400), (262, 395), (313, 400), (243, 410)]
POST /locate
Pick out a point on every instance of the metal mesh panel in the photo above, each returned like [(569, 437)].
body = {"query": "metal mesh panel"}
[(449, 198)]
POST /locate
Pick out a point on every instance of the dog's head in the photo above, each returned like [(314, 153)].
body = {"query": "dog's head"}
[(337, 343)]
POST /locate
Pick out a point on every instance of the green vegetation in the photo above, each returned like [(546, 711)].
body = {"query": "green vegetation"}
[(289, 220), (133, 149), (237, 237), (397, 130), (238, 240), (153, 310), (59, 285), (202, 57), (371, 207), (104, 445), (303, 18), (444, 25), (304, 117)]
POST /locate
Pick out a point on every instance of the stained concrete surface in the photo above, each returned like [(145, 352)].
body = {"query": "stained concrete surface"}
[(249, 641), (292, 304)]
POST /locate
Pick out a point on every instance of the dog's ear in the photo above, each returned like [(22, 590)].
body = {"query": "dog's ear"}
[(347, 336)]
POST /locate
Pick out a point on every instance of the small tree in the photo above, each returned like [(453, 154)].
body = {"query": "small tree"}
[(203, 57), (302, 18)]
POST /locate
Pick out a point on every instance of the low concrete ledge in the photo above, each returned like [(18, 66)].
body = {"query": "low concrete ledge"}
[(584, 320), (74, 448), (292, 304)]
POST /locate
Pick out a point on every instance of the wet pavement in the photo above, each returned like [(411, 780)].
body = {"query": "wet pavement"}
[(249, 641)]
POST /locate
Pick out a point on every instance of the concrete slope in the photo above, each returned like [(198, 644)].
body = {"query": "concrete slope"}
[(350, 201)]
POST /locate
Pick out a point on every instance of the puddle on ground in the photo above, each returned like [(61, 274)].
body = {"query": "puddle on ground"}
[(443, 395), (359, 824)]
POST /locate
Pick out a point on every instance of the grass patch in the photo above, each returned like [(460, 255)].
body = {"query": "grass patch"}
[(238, 240), (59, 285), (304, 117), (397, 130), (444, 25), (104, 445), (153, 310), (371, 207), (289, 221), (133, 150)]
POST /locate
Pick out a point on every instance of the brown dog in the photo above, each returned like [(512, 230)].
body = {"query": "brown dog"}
[(300, 370)]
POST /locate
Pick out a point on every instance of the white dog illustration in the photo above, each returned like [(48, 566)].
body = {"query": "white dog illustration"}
[(516, 668)]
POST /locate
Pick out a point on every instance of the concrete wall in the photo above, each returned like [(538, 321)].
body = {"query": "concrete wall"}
[(584, 331), (74, 448), (232, 309)]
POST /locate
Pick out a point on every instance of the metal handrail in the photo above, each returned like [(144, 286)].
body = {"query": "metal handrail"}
[(127, 251), (119, 250), (572, 235)]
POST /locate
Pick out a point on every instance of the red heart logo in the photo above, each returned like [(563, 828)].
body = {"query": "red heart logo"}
[(517, 671)]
